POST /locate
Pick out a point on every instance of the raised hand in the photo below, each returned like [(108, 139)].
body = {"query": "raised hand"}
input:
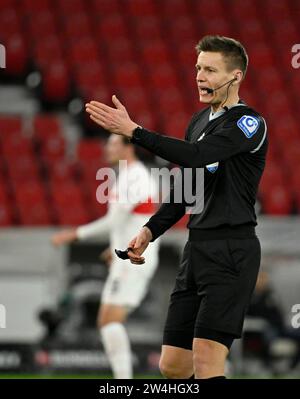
[(115, 120)]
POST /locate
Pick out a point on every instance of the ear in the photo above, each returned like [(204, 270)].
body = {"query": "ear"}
[(238, 76)]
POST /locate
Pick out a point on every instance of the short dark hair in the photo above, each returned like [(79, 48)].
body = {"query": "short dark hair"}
[(232, 50)]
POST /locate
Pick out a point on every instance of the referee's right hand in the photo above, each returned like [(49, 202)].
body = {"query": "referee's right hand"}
[(138, 245)]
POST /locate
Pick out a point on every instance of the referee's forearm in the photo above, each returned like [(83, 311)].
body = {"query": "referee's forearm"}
[(165, 218), (173, 150)]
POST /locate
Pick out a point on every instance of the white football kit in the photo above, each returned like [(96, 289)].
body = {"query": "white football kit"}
[(131, 203)]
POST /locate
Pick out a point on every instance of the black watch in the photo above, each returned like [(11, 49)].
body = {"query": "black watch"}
[(135, 134)]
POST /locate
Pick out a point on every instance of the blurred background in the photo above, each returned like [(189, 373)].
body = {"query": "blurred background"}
[(63, 53)]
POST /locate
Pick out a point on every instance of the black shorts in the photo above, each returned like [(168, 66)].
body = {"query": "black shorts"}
[(212, 291)]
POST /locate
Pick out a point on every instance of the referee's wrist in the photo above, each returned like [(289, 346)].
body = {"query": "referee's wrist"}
[(148, 232), (136, 134)]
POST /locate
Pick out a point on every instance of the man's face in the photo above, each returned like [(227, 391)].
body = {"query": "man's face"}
[(212, 72), (115, 149)]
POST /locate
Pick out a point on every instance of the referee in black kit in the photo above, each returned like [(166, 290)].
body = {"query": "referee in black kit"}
[(221, 258)]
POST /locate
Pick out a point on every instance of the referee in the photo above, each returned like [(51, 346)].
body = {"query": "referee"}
[(221, 258)]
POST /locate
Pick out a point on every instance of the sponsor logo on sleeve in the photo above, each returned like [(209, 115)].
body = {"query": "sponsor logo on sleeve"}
[(249, 125)]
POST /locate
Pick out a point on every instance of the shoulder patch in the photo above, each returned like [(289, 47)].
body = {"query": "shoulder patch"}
[(212, 167), (249, 125)]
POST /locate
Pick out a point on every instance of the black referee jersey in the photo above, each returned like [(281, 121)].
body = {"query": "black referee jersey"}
[(232, 150)]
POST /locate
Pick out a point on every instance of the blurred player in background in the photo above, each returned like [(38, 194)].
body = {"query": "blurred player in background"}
[(126, 285)]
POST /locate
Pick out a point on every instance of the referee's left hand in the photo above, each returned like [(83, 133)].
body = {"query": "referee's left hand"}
[(138, 246), (115, 120)]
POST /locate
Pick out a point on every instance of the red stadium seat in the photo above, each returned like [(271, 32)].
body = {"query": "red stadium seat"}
[(56, 82), (42, 25), (155, 52), (291, 154), (69, 7), (217, 24), (15, 146), (68, 203), (6, 218), (83, 49), (9, 22), (273, 175), (212, 8), (10, 125), (277, 200), (22, 169), (33, 6), (135, 99), (249, 97), (190, 85), (285, 33), (250, 31), (182, 28), (163, 77), (127, 75), (171, 101), (112, 27), (277, 102), (53, 149), (17, 55), (77, 26), (61, 171), (7, 4), (66, 194), (4, 197), (176, 126), (297, 201), (89, 169), (261, 56), (90, 149), (146, 118), (46, 126), (97, 209), (106, 7), (147, 28), (36, 215), (29, 193), (270, 78), (141, 8), (276, 11), (102, 94), (187, 56), (175, 8), (90, 77), (120, 51), (47, 49), (295, 83), (245, 10), (74, 215)]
